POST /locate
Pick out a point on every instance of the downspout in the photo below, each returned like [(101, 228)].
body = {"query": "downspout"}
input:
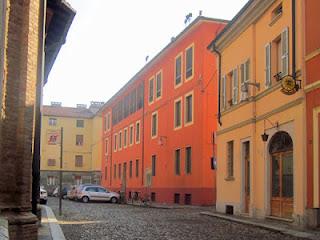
[(219, 83), (111, 150), (142, 154), (38, 104), (294, 39)]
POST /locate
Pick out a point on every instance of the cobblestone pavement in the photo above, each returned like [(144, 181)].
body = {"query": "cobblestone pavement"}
[(114, 221)]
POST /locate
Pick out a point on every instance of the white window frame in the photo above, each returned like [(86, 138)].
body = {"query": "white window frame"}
[(125, 137), (108, 121), (131, 134), (268, 65), (186, 110), (174, 114), (138, 126), (156, 126), (235, 86), (161, 84), (52, 121), (106, 146), (285, 52), (115, 142), (189, 78), (150, 101), (180, 55), (120, 140), (244, 67)]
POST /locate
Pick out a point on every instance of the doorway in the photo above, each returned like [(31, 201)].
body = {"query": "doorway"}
[(281, 155)]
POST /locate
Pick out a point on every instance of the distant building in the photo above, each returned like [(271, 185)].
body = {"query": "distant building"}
[(81, 155), (30, 32), (159, 128)]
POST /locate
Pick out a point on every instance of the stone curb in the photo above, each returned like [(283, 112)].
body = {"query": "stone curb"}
[(55, 229), (270, 227)]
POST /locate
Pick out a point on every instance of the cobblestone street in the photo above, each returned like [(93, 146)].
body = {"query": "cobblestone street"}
[(114, 221)]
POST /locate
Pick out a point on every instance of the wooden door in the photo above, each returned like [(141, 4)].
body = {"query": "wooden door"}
[(282, 184)]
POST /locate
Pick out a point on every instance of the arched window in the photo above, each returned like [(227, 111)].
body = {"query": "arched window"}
[(280, 142)]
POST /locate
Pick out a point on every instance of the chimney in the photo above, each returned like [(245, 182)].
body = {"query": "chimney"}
[(95, 106), (56, 104)]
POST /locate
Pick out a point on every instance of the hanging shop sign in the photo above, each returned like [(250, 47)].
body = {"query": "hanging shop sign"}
[(290, 85)]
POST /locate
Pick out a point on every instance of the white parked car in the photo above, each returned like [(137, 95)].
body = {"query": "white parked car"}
[(43, 196), (97, 193)]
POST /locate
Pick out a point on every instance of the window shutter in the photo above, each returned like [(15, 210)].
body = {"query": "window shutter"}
[(235, 86), (268, 65), (284, 52), (223, 97)]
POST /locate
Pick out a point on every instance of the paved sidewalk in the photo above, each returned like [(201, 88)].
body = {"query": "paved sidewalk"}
[(49, 228), (272, 225)]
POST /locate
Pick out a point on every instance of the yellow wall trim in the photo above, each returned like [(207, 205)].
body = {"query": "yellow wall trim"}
[(316, 112), (312, 86), (313, 54), (262, 117)]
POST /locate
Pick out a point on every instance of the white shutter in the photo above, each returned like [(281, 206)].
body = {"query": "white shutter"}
[(223, 93), (268, 65), (235, 86), (242, 79), (284, 52)]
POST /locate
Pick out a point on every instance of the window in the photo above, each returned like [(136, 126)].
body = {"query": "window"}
[(177, 198), (177, 113), (51, 180), (80, 123), (52, 122), (119, 170), (137, 168), (51, 162), (151, 90), (187, 199), (177, 161), (138, 132), (188, 160), (284, 53), (130, 169), (124, 173), (235, 86), (159, 85), (115, 138), (114, 171), (79, 140), (223, 93), (189, 63), (178, 70), (230, 159), (188, 109), (153, 197), (245, 76), (105, 173), (108, 121), (125, 137), (107, 146), (79, 161), (131, 135), (154, 124), (120, 140), (268, 65), (154, 162)]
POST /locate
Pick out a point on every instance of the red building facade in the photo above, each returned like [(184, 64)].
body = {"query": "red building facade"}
[(159, 128), (312, 89)]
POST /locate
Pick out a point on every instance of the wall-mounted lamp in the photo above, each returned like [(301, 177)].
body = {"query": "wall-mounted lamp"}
[(265, 136)]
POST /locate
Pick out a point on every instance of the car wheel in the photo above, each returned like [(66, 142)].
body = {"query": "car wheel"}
[(114, 200), (85, 199)]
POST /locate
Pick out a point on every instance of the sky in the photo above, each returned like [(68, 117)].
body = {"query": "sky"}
[(109, 40)]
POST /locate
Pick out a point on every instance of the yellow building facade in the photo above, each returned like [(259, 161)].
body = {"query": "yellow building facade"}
[(81, 141), (261, 163)]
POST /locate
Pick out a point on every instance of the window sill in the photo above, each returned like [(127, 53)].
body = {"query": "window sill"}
[(229, 179), (275, 19)]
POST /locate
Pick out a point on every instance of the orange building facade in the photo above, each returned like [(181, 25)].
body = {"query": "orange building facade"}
[(158, 130), (312, 89)]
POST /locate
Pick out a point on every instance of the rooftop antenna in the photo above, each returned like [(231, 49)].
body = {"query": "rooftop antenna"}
[(188, 18), (200, 13)]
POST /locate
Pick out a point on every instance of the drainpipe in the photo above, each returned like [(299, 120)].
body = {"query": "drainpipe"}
[(219, 83), (38, 104), (294, 39), (142, 142)]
